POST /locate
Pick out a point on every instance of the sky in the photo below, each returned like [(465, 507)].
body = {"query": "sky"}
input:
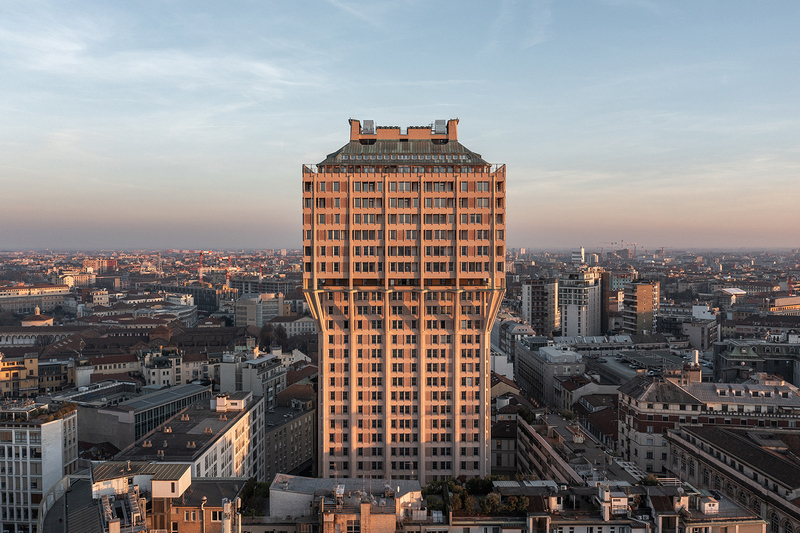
[(162, 125)]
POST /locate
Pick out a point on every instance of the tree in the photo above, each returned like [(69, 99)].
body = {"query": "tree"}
[(457, 501), (650, 480), (435, 503), (470, 504), (490, 504)]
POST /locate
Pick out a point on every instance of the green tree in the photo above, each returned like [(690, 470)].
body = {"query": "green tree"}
[(490, 504), (649, 480), (470, 504)]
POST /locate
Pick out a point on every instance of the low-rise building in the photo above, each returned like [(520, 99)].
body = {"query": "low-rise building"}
[(344, 505), (141, 497), (756, 467)]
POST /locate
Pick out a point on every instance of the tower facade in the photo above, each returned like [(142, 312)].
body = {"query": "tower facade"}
[(404, 246)]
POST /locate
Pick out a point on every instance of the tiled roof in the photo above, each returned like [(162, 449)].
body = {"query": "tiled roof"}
[(738, 444), (397, 147)]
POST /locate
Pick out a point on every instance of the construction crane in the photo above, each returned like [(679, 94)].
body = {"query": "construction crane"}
[(602, 248)]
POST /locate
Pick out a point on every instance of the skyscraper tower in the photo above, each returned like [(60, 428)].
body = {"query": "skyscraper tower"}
[(404, 247)]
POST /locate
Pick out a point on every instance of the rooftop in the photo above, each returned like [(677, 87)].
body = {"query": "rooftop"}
[(188, 434), (164, 396)]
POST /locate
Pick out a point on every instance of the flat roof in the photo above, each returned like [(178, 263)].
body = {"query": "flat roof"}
[(327, 486), (191, 432), (165, 396)]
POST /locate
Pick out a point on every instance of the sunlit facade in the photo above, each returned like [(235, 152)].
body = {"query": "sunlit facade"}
[(404, 246)]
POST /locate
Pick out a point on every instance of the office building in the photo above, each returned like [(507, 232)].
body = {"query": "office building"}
[(404, 255), (579, 299), (540, 307), (220, 437), (123, 423), (38, 446)]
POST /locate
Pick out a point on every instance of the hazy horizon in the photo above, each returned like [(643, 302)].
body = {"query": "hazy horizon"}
[(180, 126)]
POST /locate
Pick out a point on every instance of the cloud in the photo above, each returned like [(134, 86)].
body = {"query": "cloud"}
[(541, 18), (519, 25)]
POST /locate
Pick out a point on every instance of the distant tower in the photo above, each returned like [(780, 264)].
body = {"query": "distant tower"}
[(578, 256)]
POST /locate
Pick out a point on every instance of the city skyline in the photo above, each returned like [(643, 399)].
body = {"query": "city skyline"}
[(184, 127)]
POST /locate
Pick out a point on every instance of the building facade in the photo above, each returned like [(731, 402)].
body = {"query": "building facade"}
[(579, 300), (640, 307), (648, 409), (757, 469), (540, 305), (38, 446), (404, 247), (540, 368), (220, 437)]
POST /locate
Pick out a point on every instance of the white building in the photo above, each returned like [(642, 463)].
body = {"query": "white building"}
[(34, 455), (263, 376), (223, 439), (580, 302), (295, 325), (257, 309)]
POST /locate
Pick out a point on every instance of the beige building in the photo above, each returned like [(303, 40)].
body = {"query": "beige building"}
[(22, 299), (344, 505), (19, 375), (404, 249)]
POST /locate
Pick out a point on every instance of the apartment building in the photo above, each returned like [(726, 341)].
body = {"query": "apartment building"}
[(540, 307), (404, 248), (640, 307), (649, 407), (579, 300), (20, 375), (539, 370), (758, 468)]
